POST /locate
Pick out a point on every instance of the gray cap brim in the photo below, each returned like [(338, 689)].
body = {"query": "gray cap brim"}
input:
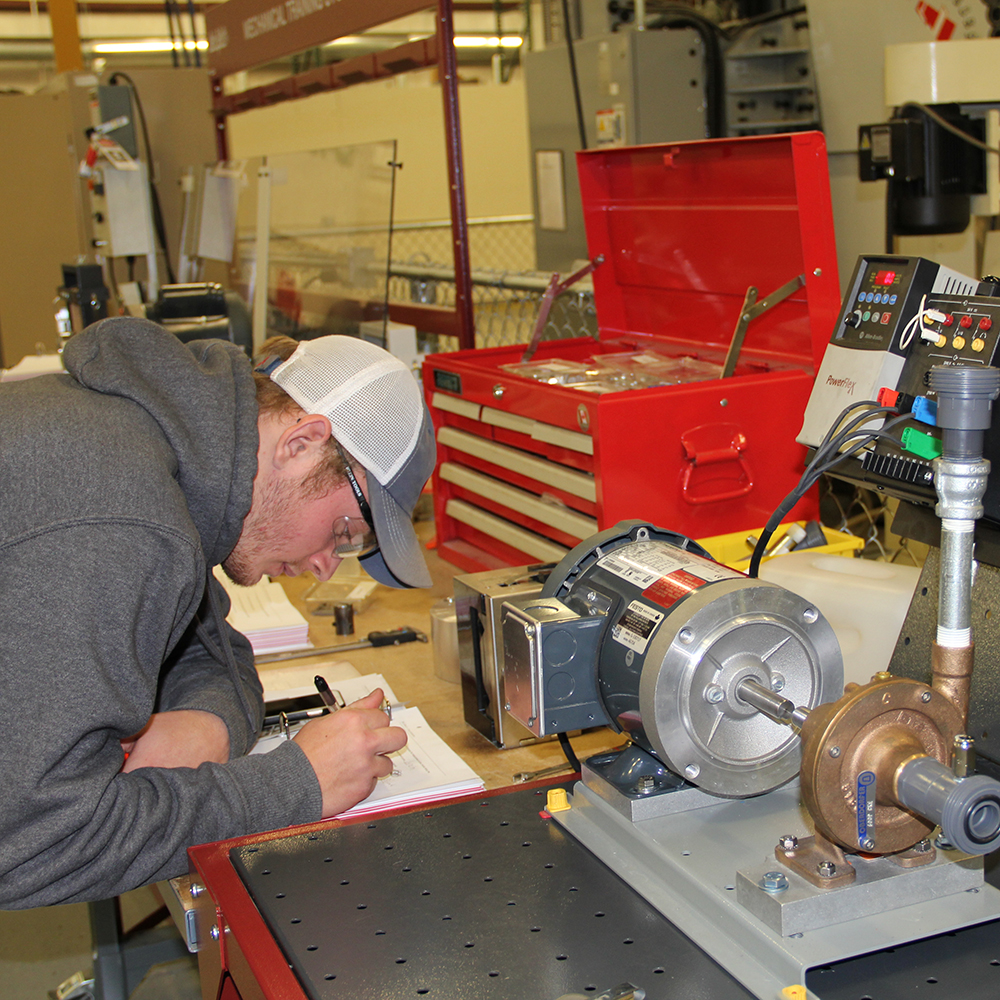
[(399, 561)]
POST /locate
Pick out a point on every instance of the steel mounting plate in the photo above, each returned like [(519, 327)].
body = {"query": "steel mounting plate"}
[(686, 864)]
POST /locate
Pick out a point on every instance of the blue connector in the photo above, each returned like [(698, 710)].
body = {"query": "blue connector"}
[(925, 410)]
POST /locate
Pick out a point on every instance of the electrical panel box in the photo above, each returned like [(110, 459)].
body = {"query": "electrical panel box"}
[(479, 598), (901, 317), (701, 242)]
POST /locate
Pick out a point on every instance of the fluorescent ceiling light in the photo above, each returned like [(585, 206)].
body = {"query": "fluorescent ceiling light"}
[(149, 45), (483, 42), (346, 40), (461, 41)]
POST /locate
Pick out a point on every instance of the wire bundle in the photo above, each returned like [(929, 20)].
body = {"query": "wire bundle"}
[(834, 448)]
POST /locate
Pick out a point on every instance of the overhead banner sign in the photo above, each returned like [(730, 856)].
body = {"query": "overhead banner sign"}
[(247, 33)]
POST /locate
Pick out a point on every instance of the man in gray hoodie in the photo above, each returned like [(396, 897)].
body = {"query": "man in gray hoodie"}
[(129, 704)]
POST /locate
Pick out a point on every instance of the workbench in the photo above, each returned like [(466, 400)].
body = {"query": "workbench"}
[(487, 897)]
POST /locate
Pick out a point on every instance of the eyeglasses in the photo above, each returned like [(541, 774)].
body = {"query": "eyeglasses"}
[(355, 536)]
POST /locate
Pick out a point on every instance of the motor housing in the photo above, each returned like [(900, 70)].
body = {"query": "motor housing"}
[(638, 629)]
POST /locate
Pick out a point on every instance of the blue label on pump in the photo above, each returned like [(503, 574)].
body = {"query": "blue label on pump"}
[(866, 805)]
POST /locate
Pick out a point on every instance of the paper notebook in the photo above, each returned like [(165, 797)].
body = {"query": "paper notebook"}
[(426, 770)]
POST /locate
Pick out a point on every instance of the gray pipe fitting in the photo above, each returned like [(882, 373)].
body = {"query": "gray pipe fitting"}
[(964, 395), (966, 809)]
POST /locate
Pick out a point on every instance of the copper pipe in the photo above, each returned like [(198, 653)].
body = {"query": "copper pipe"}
[(952, 675)]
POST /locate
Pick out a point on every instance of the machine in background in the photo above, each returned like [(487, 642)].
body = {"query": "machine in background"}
[(202, 309), (933, 151), (605, 83)]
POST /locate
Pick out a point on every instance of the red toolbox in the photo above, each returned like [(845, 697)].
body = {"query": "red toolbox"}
[(701, 241)]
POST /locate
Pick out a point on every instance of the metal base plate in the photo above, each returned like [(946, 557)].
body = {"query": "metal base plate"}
[(485, 899), (687, 863)]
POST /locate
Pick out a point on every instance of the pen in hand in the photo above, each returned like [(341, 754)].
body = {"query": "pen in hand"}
[(329, 699)]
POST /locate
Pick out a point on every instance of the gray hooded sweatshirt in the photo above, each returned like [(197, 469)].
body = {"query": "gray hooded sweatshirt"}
[(121, 484)]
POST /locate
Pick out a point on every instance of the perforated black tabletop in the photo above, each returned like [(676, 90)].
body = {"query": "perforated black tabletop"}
[(489, 900)]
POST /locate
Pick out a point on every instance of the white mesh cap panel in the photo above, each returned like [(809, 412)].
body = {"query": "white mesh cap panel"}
[(372, 401), (376, 410)]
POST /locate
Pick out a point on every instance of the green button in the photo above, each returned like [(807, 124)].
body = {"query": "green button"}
[(921, 444)]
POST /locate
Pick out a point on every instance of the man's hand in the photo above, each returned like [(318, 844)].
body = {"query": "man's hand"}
[(346, 751), (184, 738)]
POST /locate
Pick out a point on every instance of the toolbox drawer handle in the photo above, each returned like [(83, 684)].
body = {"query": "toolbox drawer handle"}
[(713, 444)]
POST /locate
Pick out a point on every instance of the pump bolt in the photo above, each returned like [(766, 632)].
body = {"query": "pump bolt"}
[(922, 847), (777, 682), (646, 784), (926, 697), (773, 882), (834, 751), (714, 694), (868, 845), (788, 842), (826, 869)]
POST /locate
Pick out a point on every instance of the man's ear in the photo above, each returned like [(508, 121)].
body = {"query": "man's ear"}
[(303, 439)]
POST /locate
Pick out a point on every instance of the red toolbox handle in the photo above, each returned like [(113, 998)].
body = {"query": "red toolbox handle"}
[(713, 444)]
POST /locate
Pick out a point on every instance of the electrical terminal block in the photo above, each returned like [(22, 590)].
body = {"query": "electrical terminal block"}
[(925, 410)]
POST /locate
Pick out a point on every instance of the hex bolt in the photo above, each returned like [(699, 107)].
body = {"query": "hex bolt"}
[(788, 842), (868, 844), (834, 751), (922, 846), (777, 682), (773, 882), (645, 784), (826, 869), (714, 694), (925, 697), (196, 890)]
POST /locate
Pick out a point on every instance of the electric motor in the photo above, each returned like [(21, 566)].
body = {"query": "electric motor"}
[(637, 628)]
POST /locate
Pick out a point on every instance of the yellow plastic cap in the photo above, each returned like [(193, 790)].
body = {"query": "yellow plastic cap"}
[(556, 800)]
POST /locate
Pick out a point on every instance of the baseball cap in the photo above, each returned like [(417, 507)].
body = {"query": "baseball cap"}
[(378, 414)]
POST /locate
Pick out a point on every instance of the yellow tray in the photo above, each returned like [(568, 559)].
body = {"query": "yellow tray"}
[(732, 550)]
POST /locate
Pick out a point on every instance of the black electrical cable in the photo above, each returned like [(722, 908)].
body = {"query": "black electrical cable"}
[(733, 30), (167, 9), (950, 127), (158, 223), (827, 455), (574, 76), (194, 33), (175, 8), (708, 31), (567, 749), (813, 472)]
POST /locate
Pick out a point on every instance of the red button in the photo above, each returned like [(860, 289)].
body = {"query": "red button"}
[(948, 319), (985, 323), (965, 322)]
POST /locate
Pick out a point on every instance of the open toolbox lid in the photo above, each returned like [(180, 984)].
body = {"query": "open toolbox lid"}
[(686, 228)]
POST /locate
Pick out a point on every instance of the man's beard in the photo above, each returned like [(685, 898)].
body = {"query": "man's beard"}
[(271, 512)]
